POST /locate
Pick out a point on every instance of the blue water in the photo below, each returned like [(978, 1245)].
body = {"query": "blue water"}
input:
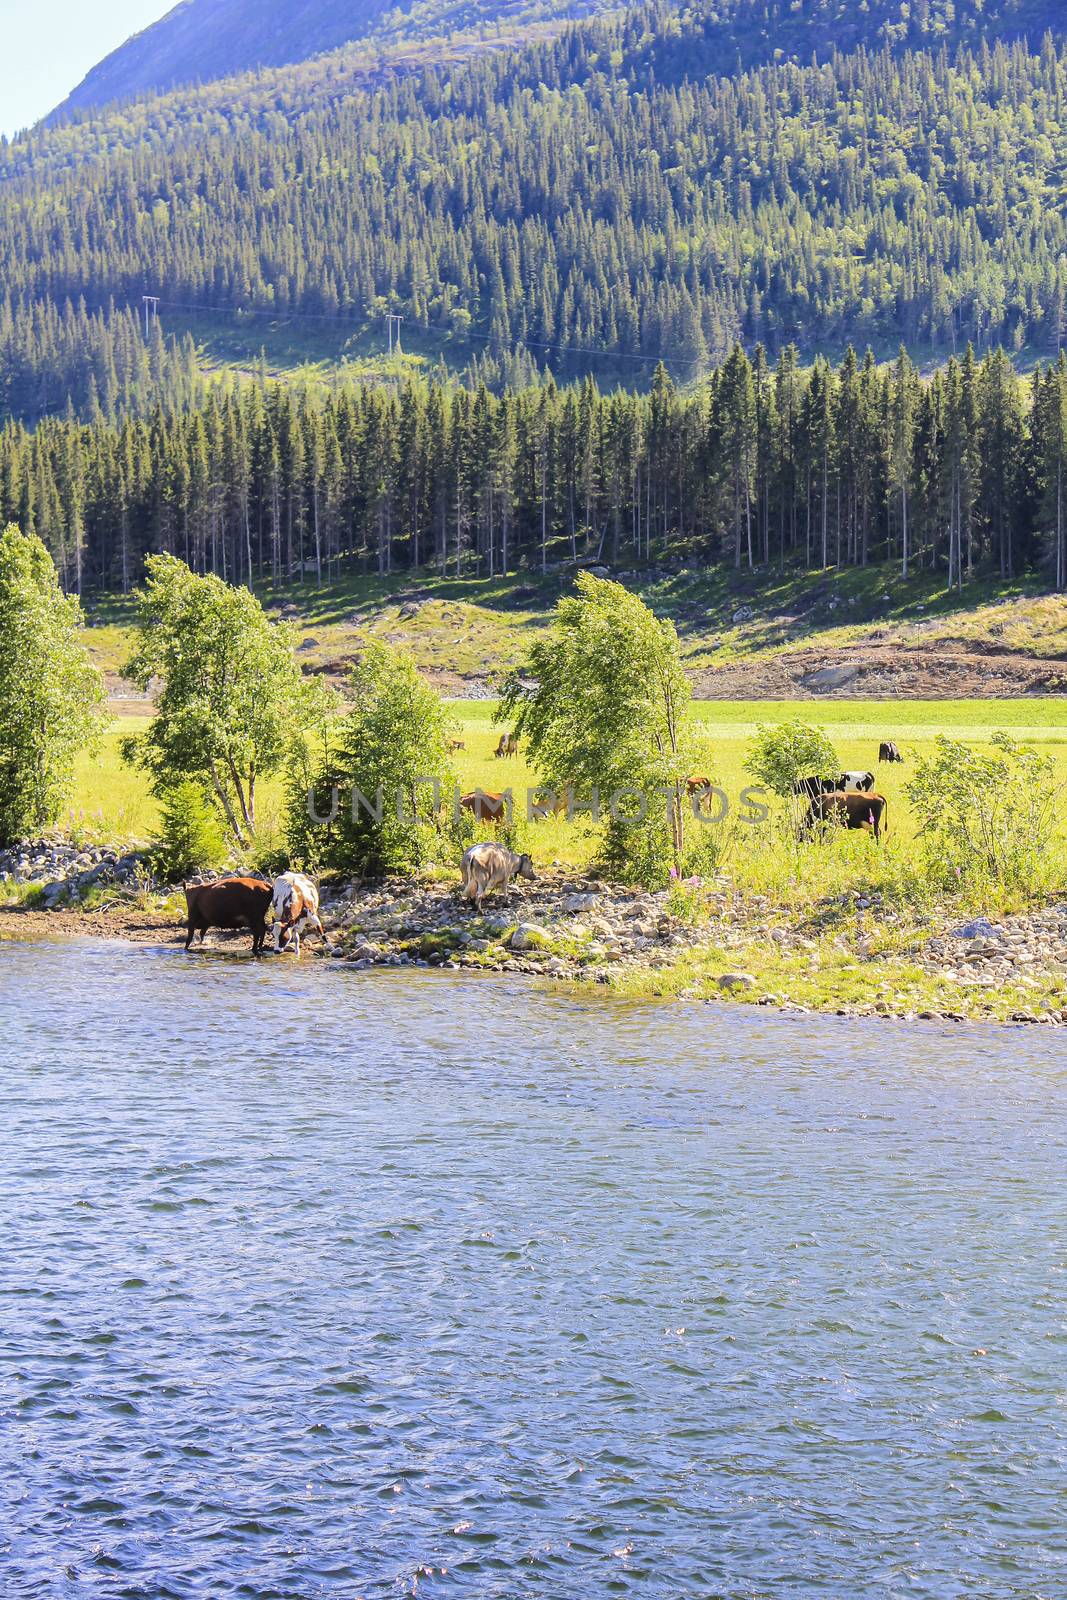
[(317, 1283)]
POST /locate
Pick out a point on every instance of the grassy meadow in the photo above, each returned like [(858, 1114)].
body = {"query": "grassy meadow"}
[(113, 802)]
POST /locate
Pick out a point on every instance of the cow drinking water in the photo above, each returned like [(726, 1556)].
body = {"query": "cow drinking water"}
[(228, 903), (294, 907)]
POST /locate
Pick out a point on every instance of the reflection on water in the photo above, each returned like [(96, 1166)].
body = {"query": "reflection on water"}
[(317, 1283)]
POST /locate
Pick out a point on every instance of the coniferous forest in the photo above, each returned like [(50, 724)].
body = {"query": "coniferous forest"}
[(779, 466), (723, 204)]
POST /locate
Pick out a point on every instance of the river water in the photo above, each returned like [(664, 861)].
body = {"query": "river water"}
[(328, 1284)]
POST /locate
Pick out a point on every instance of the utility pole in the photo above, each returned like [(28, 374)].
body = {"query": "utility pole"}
[(151, 309), (392, 317)]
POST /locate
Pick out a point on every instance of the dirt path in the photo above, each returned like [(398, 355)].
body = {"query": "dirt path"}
[(889, 671)]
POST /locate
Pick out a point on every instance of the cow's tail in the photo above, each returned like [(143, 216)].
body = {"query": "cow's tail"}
[(885, 816)]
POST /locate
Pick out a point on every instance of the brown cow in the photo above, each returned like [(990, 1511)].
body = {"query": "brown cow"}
[(852, 811), (228, 903), (547, 802), (486, 806), (508, 746)]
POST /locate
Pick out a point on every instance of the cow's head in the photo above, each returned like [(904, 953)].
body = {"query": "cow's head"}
[(525, 868)]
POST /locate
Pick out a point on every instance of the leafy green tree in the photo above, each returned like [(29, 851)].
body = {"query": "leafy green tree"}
[(784, 752), (50, 691), (229, 690), (608, 714), (389, 762)]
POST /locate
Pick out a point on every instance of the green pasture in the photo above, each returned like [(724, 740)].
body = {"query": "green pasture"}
[(112, 801)]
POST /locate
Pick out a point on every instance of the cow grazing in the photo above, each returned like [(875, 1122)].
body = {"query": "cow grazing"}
[(508, 746), (294, 907), (456, 744), (545, 803), (491, 866), (228, 903), (813, 787), (887, 751), (852, 811), (861, 782), (485, 806)]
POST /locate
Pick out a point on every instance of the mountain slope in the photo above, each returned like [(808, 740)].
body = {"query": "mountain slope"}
[(204, 40), (579, 195)]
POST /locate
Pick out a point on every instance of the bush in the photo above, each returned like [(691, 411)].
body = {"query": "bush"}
[(986, 818), (785, 752), (191, 838)]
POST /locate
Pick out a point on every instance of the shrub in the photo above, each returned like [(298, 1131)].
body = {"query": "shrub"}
[(986, 817), (607, 713), (191, 837), (784, 752)]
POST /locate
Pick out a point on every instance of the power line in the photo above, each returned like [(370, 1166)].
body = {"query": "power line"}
[(345, 320)]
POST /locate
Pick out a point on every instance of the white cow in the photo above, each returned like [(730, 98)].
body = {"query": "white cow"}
[(863, 782), (294, 907), (490, 866)]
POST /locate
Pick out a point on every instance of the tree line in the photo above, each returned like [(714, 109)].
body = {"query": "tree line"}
[(93, 364), (766, 465), (605, 191)]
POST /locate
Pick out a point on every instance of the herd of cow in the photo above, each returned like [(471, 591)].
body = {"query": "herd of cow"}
[(290, 905), (849, 799)]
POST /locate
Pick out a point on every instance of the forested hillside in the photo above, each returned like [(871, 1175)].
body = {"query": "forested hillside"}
[(964, 474), (655, 199), (579, 199), (202, 40)]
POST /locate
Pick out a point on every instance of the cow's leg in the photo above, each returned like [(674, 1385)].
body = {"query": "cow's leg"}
[(277, 938), (189, 934)]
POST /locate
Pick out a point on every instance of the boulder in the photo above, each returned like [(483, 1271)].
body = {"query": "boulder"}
[(980, 928), (736, 980), (528, 936), (831, 677)]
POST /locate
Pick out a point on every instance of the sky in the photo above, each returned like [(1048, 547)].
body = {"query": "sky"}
[(49, 45)]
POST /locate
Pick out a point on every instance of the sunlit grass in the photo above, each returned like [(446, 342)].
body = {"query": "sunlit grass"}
[(113, 802)]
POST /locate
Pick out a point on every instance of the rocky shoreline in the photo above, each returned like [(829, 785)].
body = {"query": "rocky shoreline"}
[(855, 955)]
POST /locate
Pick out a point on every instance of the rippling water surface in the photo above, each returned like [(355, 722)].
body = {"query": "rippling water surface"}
[(368, 1285)]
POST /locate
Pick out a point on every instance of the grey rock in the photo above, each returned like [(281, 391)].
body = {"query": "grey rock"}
[(831, 677), (980, 928), (528, 936)]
